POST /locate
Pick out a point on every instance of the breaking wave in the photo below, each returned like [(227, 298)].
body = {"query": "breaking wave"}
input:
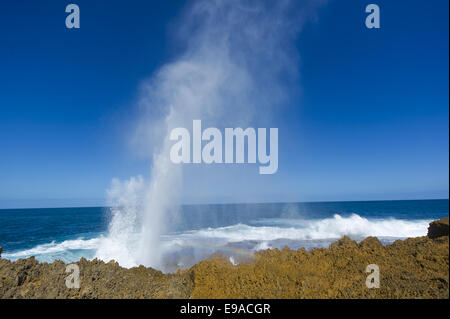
[(186, 248)]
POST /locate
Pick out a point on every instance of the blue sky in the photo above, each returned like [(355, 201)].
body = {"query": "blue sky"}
[(369, 122)]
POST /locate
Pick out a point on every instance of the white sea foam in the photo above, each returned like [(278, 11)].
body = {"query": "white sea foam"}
[(54, 248), (336, 227), (189, 247), (262, 246)]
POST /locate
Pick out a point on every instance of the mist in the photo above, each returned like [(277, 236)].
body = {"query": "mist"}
[(237, 60)]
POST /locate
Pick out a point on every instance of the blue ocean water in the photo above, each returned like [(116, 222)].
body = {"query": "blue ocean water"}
[(71, 233)]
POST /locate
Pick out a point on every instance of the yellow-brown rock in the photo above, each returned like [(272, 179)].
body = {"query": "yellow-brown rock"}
[(438, 228), (411, 268)]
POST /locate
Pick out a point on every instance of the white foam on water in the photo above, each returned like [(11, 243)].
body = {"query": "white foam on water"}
[(198, 244), (262, 246), (336, 227), (53, 248)]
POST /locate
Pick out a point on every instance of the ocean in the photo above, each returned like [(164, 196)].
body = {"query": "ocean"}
[(234, 230)]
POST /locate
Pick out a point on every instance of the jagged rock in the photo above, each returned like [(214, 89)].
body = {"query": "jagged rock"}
[(1, 251), (438, 228), (371, 242), (344, 242), (411, 268)]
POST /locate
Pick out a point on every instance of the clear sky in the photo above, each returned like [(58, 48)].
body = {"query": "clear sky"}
[(371, 121)]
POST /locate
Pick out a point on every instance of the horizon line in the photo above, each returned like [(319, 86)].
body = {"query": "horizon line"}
[(244, 203)]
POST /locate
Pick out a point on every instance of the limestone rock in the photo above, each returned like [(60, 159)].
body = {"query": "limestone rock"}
[(411, 268), (371, 243), (344, 242), (438, 228)]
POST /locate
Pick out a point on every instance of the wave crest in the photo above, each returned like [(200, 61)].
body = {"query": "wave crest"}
[(260, 234)]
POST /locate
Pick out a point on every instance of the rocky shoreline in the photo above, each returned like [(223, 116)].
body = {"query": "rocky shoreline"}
[(411, 268)]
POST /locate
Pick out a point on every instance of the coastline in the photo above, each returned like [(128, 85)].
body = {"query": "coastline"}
[(411, 268)]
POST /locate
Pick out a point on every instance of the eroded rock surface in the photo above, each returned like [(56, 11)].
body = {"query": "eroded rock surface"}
[(411, 268), (438, 228)]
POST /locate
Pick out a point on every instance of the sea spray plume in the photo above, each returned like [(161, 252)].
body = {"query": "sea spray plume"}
[(125, 201), (238, 59)]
